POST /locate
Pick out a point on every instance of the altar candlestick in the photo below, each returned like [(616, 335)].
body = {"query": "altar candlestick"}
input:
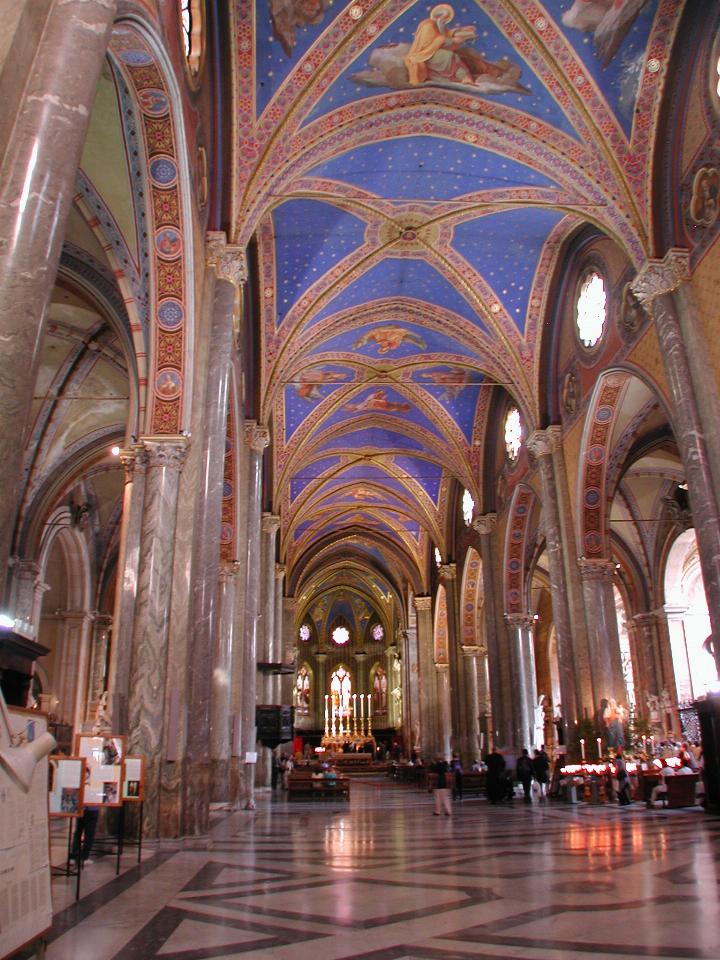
[(652, 745), (645, 745), (369, 724), (326, 714), (582, 749), (599, 743)]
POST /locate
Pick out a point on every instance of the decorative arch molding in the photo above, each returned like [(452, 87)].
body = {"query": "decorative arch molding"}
[(441, 650), (516, 541), (472, 600), (140, 58), (229, 532), (75, 549)]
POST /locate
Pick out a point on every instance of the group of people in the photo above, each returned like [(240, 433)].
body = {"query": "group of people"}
[(500, 784)]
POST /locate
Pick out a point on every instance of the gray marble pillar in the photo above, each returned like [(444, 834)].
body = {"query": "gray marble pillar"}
[(445, 731), (37, 183), (223, 654), (647, 669), (471, 747), (289, 648), (266, 634), (134, 461), (654, 287), (148, 661), (601, 616), (277, 650), (427, 688), (456, 681), (257, 438), (500, 691), (411, 692), (317, 696), (541, 445), (226, 267), (522, 648)]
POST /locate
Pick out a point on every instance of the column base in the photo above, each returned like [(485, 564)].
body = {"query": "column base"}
[(196, 798)]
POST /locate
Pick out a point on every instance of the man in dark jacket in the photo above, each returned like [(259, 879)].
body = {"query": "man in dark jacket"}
[(495, 764), (524, 771), (541, 770)]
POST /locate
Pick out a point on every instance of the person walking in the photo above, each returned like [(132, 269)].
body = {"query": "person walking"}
[(541, 770), (495, 763), (623, 778), (524, 771), (457, 771), (441, 792)]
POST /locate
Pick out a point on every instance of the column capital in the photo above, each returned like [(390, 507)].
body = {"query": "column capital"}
[(290, 603), (543, 443), (270, 523), (442, 667), (169, 451), (280, 571), (257, 437), (520, 621), (228, 570), (647, 619), (602, 569), (473, 650), (25, 569), (133, 458), (228, 260), (448, 571), (423, 603), (659, 277), (485, 524)]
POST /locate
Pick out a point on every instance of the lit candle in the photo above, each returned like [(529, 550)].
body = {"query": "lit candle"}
[(582, 749), (652, 745), (599, 743), (362, 707), (645, 745)]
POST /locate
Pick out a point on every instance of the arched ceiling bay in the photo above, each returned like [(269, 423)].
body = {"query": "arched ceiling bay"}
[(410, 172)]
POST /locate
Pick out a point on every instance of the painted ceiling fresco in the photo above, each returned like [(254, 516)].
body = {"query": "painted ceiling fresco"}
[(410, 172)]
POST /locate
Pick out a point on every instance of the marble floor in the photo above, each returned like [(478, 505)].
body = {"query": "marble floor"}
[(382, 878)]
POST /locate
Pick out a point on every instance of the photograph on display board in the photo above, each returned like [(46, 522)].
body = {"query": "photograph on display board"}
[(133, 781), (67, 786), (105, 757)]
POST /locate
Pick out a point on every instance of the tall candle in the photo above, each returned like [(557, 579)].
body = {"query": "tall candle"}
[(582, 748), (599, 743)]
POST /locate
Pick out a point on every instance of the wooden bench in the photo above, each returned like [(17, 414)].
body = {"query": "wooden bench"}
[(681, 790), (303, 786)]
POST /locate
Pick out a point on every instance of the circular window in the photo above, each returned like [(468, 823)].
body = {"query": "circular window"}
[(340, 636), (304, 633), (513, 434), (591, 309), (191, 22), (377, 632), (468, 505)]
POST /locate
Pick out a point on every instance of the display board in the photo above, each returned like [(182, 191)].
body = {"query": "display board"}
[(105, 764), (25, 901), (133, 788), (66, 797)]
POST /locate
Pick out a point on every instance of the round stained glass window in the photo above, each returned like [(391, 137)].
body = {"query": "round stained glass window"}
[(377, 632), (468, 505), (591, 309), (513, 434), (340, 636), (304, 633)]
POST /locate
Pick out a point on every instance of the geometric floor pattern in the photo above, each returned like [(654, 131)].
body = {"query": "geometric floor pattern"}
[(382, 879)]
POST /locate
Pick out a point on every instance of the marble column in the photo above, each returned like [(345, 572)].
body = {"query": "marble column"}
[(134, 460), (266, 635), (24, 593), (100, 648), (411, 692), (647, 669), (148, 660), (322, 687), (392, 670), (223, 653), (456, 683), (37, 183), (654, 287), (257, 439), (485, 526), (471, 745), (522, 648), (604, 642), (226, 271), (277, 651), (72, 664), (426, 678), (445, 731), (541, 445), (288, 648)]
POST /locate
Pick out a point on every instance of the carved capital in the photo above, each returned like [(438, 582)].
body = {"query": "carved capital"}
[(543, 443), (256, 437), (280, 571), (448, 571), (485, 524), (659, 277), (442, 667), (227, 259), (599, 570), (519, 621), (169, 452), (473, 650), (648, 619), (290, 603), (228, 571), (423, 604), (134, 460), (270, 523)]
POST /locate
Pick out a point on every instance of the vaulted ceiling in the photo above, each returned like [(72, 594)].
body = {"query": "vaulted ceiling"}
[(409, 222)]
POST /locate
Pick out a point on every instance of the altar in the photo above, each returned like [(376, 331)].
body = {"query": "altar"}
[(344, 730)]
